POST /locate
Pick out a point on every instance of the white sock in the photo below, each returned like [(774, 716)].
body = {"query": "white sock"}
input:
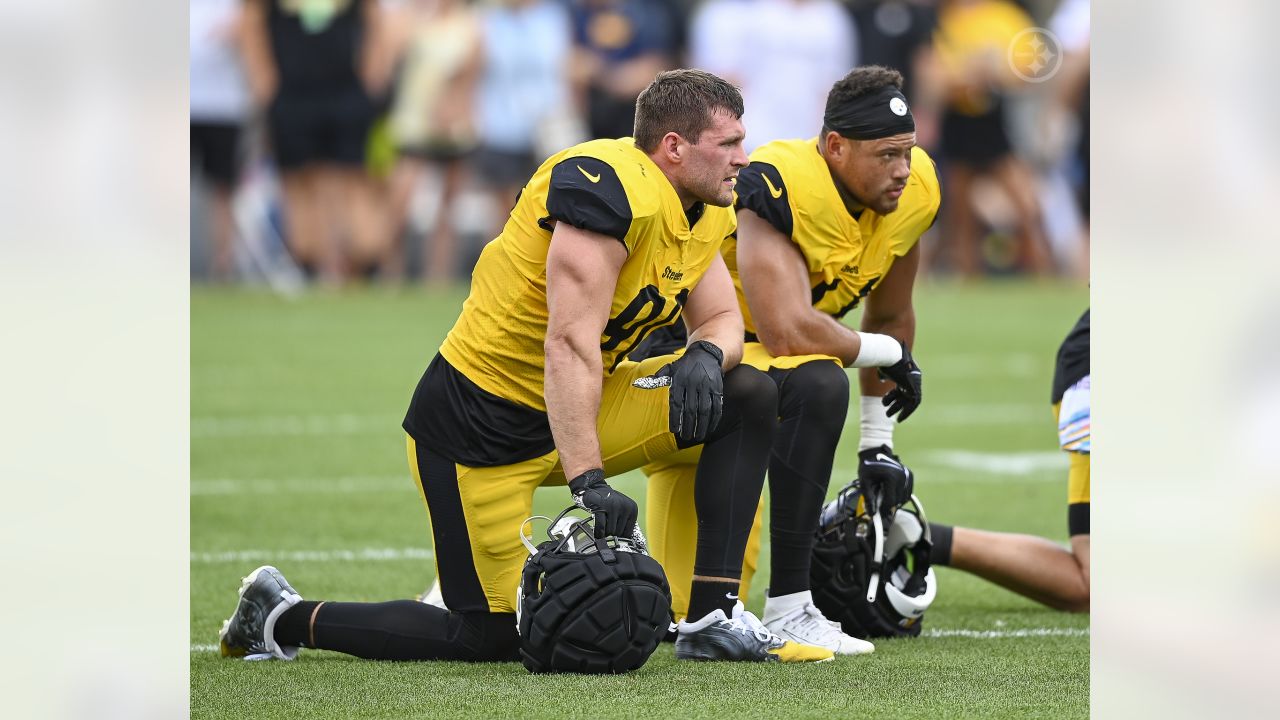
[(877, 427), (783, 605), (877, 350)]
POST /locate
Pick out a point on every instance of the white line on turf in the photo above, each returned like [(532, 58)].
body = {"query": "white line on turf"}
[(344, 424), (361, 555), (349, 424), (1001, 634), (973, 365), (273, 486), (996, 467), (1034, 467), (1013, 463), (975, 414), (932, 632)]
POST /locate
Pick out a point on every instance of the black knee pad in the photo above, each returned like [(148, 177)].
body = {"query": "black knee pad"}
[(749, 395), (820, 387), (593, 608)]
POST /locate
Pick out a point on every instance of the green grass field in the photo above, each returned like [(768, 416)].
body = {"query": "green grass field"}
[(297, 459)]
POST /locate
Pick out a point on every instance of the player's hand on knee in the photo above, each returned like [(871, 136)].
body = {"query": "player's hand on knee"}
[(697, 391), (615, 513), (879, 469), (909, 393)]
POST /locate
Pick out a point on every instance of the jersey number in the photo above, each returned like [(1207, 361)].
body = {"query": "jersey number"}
[(640, 317)]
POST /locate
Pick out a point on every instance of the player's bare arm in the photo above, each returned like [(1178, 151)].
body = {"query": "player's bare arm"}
[(712, 313), (582, 270), (776, 283), (890, 311)]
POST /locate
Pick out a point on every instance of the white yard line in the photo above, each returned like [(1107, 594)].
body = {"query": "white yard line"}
[(1048, 466), (274, 486), (1001, 634), (344, 424), (930, 633), (984, 414), (974, 414), (276, 556), (975, 365), (996, 463), (982, 467)]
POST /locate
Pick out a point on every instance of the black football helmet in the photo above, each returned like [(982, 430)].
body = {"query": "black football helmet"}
[(587, 604), (875, 581)]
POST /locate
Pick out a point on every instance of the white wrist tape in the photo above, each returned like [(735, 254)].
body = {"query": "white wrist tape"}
[(877, 427), (877, 350)]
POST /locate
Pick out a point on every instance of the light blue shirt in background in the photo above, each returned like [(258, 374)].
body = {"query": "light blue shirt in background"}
[(523, 81)]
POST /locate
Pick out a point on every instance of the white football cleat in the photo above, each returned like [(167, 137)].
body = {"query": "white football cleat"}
[(794, 617)]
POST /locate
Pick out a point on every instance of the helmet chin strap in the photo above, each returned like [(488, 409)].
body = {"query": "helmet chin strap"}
[(527, 540), (877, 527)]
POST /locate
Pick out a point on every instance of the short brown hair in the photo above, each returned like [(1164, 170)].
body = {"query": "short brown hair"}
[(861, 81), (682, 101)]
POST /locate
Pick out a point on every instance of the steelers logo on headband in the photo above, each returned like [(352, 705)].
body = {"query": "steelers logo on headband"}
[(872, 116)]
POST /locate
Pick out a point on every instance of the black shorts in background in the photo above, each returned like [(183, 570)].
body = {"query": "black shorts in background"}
[(215, 149), (975, 140), (504, 168), (312, 129)]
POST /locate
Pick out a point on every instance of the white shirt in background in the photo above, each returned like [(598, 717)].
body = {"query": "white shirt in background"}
[(785, 55), (218, 89)]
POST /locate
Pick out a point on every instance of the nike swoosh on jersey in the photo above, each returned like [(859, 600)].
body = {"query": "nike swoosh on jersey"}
[(775, 192), (589, 176)]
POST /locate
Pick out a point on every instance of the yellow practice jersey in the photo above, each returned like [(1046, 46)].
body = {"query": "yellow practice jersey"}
[(606, 186), (789, 185)]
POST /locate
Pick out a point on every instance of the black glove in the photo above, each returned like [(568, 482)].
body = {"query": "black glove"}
[(879, 468), (908, 394), (697, 391), (615, 513)]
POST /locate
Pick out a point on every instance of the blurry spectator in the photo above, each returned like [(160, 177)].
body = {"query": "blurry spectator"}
[(312, 67), (523, 100), (619, 46), (968, 77), (1069, 100), (899, 34), (219, 108), (1062, 147), (784, 54), (894, 33), (438, 46)]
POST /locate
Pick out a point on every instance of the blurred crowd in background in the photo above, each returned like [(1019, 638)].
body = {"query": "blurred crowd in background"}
[(353, 141)]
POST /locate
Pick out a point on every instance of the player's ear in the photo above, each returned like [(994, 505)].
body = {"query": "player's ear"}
[(673, 145), (834, 145)]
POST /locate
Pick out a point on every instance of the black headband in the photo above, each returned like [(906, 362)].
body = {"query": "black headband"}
[(872, 116)]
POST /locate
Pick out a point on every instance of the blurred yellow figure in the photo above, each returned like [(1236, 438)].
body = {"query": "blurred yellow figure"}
[(982, 51)]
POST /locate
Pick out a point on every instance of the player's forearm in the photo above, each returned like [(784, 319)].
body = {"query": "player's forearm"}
[(725, 331), (901, 326), (811, 333), (572, 387)]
